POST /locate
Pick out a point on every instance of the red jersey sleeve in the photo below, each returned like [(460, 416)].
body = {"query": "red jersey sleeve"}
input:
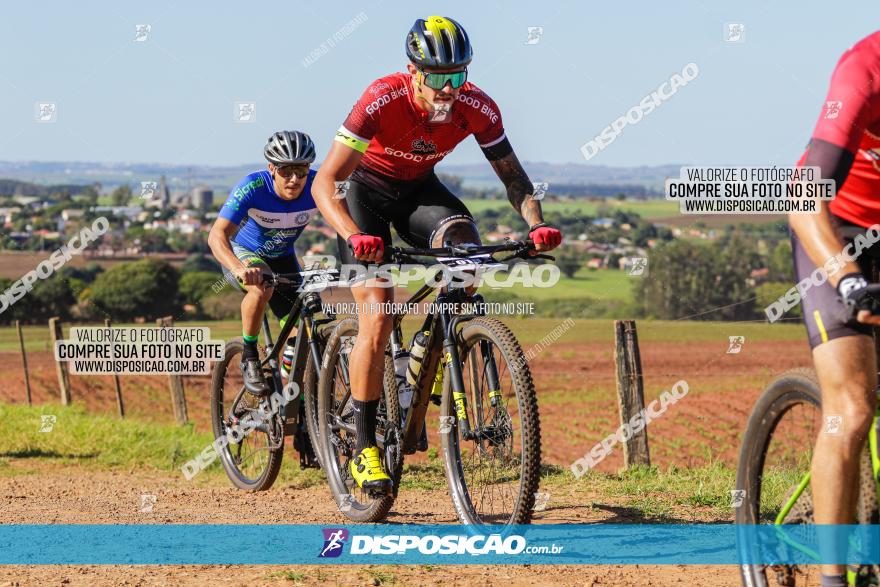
[(849, 107), (362, 122), (490, 129)]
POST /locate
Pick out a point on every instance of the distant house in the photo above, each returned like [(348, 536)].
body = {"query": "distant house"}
[(603, 222), (6, 214), (128, 211), (760, 274), (31, 201), (69, 214), (183, 226)]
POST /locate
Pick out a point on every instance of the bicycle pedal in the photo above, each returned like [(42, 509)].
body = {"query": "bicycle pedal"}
[(380, 492)]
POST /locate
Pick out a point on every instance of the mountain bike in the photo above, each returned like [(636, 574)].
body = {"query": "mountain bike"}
[(254, 428), (474, 369), (773, 476)]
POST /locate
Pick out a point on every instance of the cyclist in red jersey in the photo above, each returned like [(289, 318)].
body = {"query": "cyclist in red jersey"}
[(839, 315), (386, 149)]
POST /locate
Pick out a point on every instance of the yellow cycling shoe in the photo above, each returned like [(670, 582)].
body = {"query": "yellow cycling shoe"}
[(368, 472)]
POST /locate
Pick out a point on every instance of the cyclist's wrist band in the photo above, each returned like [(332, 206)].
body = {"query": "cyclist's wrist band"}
[(539, 225)]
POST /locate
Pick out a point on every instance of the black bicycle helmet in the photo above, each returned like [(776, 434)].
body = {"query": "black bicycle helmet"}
[(288, 147), (438, 41)]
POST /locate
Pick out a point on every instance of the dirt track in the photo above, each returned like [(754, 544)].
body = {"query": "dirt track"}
[(63, 494), (578, 408)]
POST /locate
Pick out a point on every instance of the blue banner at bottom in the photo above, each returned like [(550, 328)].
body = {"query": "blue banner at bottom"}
[(550, 544)]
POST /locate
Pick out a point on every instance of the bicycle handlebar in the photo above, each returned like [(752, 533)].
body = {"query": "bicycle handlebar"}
[(277, 279), (520, 249)]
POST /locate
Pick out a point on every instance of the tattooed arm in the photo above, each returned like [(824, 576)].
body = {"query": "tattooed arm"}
[(519, 192), (519, 188)]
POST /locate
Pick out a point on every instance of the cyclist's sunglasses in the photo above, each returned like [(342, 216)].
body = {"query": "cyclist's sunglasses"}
[(289, 170), (437, 81)]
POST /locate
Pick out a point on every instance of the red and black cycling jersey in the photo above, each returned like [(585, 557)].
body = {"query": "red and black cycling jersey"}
[(850, 119), (401, 141)]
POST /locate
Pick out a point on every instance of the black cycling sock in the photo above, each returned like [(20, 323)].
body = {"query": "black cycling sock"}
[(250, 351), (833, 581), (365, 422)]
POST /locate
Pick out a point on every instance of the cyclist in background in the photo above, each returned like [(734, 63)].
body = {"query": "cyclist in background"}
[(840, 314), (397, 131), (254, 235)]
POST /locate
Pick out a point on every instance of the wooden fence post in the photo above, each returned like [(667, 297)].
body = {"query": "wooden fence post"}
[(119, 403), (60, 366), (630, 390), (175, 384), (27, 377)]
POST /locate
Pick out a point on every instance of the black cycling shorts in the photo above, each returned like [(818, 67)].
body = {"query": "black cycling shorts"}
[(825, 315), (282, 298), (416, 209)]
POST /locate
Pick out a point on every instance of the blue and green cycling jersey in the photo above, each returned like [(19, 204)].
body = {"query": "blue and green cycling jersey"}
[(269, 225)]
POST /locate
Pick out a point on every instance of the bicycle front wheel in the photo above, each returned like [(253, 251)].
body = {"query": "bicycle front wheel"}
[(774, 462), (310, 388), (493, 472), (337, 438), (252, 460)]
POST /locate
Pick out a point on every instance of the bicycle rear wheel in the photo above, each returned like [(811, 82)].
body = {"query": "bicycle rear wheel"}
[(774, 460), (251, 461), (493, 476)]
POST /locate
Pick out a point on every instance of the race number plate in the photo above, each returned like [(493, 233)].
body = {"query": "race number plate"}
[(481, 262)]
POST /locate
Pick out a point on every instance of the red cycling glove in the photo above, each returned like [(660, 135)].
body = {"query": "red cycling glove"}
[(542, 234), (365, 244)]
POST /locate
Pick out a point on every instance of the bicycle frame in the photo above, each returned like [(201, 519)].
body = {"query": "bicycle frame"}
[(302, 315), (440, 349), (437, 350)]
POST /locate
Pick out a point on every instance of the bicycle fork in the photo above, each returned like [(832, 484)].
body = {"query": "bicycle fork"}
[(452, 362)]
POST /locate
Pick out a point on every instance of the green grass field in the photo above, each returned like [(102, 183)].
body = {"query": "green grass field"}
[(600, 284), (597, 284), (107, 443), (657, 208)]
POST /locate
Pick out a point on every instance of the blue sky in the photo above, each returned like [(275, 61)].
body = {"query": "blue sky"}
[(171, 98)]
